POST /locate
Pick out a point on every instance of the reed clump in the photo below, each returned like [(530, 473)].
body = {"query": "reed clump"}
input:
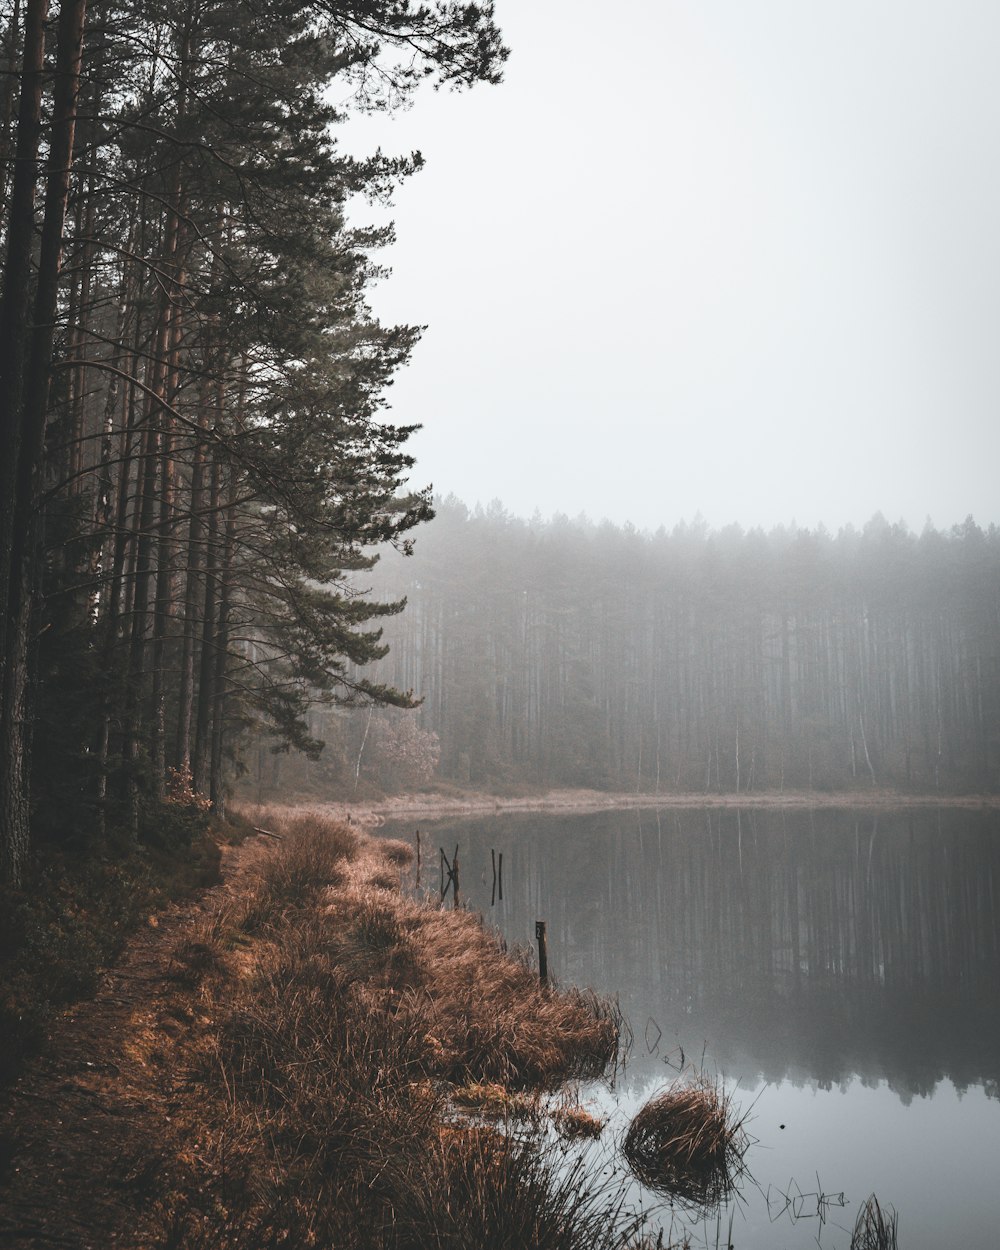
[(480, 1188), (688, 1141), (574, 1122), (876, 1227), (349, 1023)]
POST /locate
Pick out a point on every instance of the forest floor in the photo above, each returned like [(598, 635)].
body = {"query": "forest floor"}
[(442, 805), (88, 1123)]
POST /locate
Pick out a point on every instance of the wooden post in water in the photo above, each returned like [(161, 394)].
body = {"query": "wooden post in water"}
[(451, 881), (543, 952)]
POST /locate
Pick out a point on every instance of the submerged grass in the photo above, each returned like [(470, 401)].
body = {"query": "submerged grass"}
[(351, 1026)]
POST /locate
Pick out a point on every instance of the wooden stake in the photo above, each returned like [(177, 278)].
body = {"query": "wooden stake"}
[(451, 881), (543, 952)]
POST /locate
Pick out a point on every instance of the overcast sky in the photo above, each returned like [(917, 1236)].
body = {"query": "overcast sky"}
[(709, 257)]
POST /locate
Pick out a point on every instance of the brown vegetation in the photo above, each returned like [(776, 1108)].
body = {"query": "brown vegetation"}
[(573, 1121), (354, 1031), (72, 916), (688, 1141)]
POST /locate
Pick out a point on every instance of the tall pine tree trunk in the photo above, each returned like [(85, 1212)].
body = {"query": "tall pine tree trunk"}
[(24, 393), (201, 768), (192, 595), (216, 790)]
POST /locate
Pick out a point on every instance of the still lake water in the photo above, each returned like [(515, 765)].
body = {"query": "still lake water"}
[(840, 970)]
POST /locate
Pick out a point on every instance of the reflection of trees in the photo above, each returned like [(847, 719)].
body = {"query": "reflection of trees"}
[(813, 945)]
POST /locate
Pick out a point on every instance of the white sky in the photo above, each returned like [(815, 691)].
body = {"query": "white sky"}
[(709, 256)]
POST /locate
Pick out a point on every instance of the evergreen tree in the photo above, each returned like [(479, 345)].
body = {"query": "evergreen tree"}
[(193, 448)]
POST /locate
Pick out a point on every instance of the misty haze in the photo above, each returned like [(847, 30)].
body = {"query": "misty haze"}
[(499, 625)]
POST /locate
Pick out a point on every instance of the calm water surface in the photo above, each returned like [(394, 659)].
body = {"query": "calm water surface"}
[(839, 969)]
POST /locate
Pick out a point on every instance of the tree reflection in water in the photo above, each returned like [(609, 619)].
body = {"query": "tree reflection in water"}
[(817, 945)]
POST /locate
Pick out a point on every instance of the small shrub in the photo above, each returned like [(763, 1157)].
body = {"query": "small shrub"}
[(183, 816)]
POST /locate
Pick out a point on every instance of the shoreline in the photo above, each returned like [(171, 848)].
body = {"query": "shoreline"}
[(440, 806)]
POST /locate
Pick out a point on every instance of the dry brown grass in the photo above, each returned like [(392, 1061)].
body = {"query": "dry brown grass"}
[(574, 1122), (397, 852), (348, 1023), (688, 1141), (480, 1188), (497, 1102)]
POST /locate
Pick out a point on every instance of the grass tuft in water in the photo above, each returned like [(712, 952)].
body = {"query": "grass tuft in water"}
[(875, 1227), (688, 1142)]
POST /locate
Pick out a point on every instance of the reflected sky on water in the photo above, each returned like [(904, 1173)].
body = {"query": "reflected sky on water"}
[(841, 968)]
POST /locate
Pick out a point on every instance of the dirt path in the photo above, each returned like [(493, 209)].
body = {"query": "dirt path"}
[(86, 1129)]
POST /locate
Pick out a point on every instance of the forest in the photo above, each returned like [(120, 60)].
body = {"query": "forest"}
[(193, 456), (570, 653)]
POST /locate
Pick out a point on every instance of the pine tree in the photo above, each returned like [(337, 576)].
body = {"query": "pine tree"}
[(193, 443)]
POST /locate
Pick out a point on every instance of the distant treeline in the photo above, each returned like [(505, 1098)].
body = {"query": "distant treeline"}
[(569, 653)]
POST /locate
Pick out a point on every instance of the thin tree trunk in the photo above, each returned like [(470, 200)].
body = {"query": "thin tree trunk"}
[(195, 545), (7, 107), (206, 669), (219, 687)]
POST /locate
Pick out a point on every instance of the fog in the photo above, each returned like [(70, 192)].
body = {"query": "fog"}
[(724, 259)]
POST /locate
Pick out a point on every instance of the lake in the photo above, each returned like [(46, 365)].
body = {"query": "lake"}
[(840, 970)]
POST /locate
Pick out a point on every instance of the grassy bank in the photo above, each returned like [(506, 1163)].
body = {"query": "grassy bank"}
[(452, 802), (344, 1032)]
